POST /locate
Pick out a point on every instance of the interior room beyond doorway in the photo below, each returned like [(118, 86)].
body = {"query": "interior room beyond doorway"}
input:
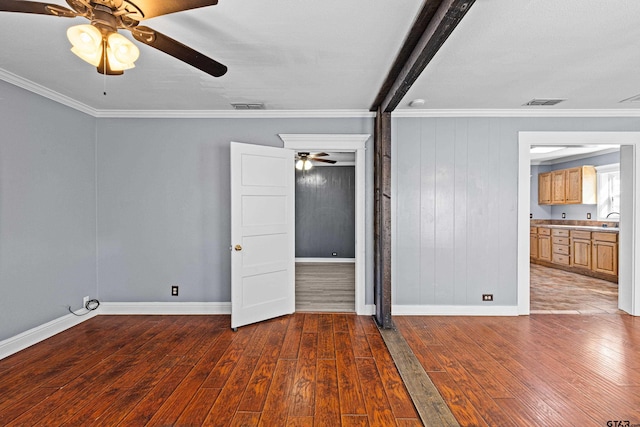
[(325, 231)]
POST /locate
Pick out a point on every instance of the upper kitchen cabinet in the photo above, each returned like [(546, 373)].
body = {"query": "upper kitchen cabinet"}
[(558, 187), (568, 186), (544, 188)]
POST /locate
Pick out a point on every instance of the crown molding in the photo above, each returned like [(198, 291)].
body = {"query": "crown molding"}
[(311, 141), (45, 92), (517, 112), (232, 114), (315, 114)]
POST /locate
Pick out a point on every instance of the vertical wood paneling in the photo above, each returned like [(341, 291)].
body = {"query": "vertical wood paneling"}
[(467, 217), (407, 233), (462, 165), (444, 210), (479, 193), (508, 232), (427, 212)]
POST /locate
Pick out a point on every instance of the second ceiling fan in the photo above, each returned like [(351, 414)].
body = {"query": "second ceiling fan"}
[(304, 159)]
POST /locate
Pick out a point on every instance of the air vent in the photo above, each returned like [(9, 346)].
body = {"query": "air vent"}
[(240, 106), (632, 99), (544, 101)]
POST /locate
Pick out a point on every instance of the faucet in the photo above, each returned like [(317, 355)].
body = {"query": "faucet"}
[(612, 213)]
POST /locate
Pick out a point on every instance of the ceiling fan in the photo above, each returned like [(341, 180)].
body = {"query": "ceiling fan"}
[(303, 160), (99, 42)]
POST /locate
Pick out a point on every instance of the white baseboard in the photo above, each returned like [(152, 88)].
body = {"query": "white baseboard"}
[(40, 333), (346, 260), (165, 308), (454, 310)]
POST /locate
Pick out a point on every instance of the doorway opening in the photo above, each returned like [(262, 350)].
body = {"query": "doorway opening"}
[(325, 231), (566, 274), (629, 142), (353, 144)]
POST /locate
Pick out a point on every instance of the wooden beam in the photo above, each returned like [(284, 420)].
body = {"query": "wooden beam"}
[(382, 220), (435, 22)]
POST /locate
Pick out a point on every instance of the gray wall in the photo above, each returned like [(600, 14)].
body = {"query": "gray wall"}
[(163, 202), (47, 209), (325, 212), (455, 214)]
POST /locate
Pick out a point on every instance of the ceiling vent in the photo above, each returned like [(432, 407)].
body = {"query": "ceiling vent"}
[(242, 106), (632, 99), (544, 102)]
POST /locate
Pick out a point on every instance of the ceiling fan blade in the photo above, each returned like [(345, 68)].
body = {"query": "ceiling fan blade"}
[(178, 50), (22, 6), (153, 8), (318, 155), (324, 160)]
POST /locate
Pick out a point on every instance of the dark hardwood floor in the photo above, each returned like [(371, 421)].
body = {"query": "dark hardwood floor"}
[(538, 370), (325, 369), (299, 370)]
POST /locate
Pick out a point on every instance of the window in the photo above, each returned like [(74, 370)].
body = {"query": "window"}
[(608, 191)]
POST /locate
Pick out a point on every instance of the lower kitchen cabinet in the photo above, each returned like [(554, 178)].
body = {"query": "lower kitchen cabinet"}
[(581, 248), (605, 253), (544, 244), (584, 252)]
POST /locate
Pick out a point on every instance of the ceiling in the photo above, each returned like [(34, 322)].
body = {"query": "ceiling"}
[(557, 154), (335, 54)]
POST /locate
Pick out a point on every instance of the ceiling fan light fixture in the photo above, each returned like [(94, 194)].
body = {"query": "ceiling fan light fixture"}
[(303, 164), (122, 53), (86, 43)]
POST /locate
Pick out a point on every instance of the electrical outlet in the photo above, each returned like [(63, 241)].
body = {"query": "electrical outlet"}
[(588, 215), (174, 290), (530, 216), (85, 300), (487, 297), (564, 215)]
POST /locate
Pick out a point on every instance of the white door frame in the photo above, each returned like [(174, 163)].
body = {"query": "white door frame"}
[(629, 240), (345, 143)]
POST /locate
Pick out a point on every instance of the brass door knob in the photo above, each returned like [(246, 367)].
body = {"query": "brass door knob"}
[(237, 247)]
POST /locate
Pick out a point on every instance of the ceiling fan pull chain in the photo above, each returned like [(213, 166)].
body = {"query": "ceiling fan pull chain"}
[(104, 74)]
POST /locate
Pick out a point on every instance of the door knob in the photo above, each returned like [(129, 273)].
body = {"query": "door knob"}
[(237, 247)]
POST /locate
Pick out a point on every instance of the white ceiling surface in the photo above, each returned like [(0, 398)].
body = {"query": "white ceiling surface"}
[(505, 53), (289, 55), (335, 54), (564, 154)]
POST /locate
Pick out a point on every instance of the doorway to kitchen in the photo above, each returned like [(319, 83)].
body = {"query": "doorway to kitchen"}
[(342, 143), (629, 142), (567, 275)]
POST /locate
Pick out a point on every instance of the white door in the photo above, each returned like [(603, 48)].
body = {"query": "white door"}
[(262, 233)]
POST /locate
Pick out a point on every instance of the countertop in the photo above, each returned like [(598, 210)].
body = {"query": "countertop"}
[(599, 226), (581, 227)]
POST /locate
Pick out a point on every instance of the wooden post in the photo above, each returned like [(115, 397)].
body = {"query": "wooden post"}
[(382, 219)]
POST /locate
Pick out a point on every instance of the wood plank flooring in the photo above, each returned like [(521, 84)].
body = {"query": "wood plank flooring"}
[(538, 370), (326, 286), (306, 369), (562, 292)]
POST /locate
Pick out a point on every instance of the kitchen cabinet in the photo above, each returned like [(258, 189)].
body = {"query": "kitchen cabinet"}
[(567, 186), (544, 188), (581, 249), (605, 253), (560, 247), (544, 244), (533, 242), (558, 189)]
